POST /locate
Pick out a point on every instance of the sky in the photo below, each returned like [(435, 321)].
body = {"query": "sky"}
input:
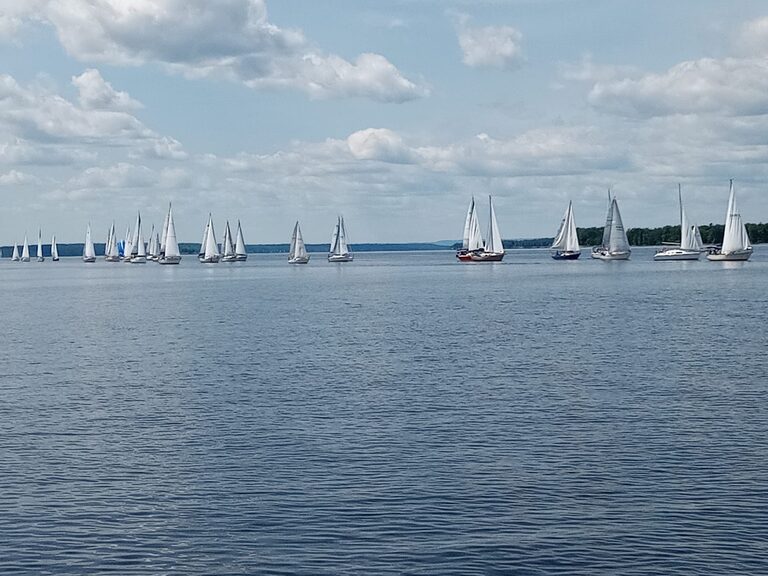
[(392, 113)]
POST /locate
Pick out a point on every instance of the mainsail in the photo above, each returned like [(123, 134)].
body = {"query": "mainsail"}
[(493, 243)]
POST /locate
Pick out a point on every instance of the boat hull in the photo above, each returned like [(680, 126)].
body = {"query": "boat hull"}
[(565, 255), (138, 260), (737, 256), (487, 256), (299, 260), (41, 259), (211, 260), (676, 254), (89, 260), (241, 257), (229, 259), (464, 256), (607, 255), (169, 260), (340, 258), (112, 259), (54, 259)]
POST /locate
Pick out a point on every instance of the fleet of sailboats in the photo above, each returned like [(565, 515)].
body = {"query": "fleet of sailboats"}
[(298, 250), (566, 243), (690, 239), (339, 250), (615, 245), (736, 245)]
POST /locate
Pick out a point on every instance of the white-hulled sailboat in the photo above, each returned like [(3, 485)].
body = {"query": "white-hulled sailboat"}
[(472, 239), (25, 250), (689, 248), (40, 256), (227, 248), (15, 255), (736, 245), (111, 249), (493, 250), (209, 250), (340, 251), (566, 243), (54, 249), (615, 245), (89, 252), (138, 254), (298, 252), (170, 253), (241, 254)]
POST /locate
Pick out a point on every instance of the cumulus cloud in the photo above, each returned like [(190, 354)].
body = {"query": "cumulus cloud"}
[(728, 86), (490, 46), (379, 144), (98, 94), (230, 39), (15, 178), (121, 175)]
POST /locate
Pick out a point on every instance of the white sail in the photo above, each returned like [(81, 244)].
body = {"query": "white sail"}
[(698, 243), (152, 249), (493, 243), (54, 249), (227, 248), (204, 241), (40, 257), (164, 233), (617, 241), (240, 252), (567, 239), (335, 238), (343, 241), (475, 241), (735, 237), (25, 250), (127, 243), (15, 255), (468, 224), (111, 250), (298, 251), (340, 251), (171, 244), (608, 222), (687, 239), (211, 248), (138, 249), (89, 252)]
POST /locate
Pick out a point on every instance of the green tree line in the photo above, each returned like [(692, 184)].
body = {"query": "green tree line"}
[(710, 234)]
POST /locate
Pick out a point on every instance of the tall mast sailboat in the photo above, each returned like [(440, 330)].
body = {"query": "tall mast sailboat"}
[(25, 250), (690, 246), (15, 255), (566, 243), (298, 252), (227, 248), (40, 257), (493, 250), (340, 251), (138, 253), (89, 252), (170, 253), (736, 245), (241, 254), (473, 238), (209, 250), (615, 245), (54, 249)]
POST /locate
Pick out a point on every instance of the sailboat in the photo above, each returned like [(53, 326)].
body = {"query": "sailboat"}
[(89, 252), (615, 245), (209, 250), (473, 239), (15, 255), (241, 254), (40, 257), (298, 253), (689, 248), (493, 250), (340, 251), (138, 253), (170, 247), (111, 249), (566, 243), (127, 244), (25, 250), (54, 249), (736, 245), (152, 249), (227, 248)]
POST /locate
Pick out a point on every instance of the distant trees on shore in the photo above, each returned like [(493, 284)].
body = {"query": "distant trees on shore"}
[(710, 234)]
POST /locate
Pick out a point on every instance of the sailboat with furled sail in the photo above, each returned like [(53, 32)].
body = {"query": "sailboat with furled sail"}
[(493, 250), (340, 251), (736, 245), (566, 243), (89, 252), (298, 252), (690, 246), (170, 253), (615, 245)]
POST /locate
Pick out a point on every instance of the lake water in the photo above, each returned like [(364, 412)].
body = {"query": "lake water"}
[(402, 414)]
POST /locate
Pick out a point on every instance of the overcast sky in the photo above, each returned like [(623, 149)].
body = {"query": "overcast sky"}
[(391, 112)]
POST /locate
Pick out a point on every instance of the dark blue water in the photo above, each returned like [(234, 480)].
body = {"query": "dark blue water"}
[(402, 414)]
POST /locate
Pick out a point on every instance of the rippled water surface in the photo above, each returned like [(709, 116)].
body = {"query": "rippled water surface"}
[(402, 414)]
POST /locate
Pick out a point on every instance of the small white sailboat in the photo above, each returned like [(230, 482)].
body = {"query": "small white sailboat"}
[(127, 244), (615, 245), (209, 250), (89, 252), (298, 252), (138, 254), (111, 249), (40, 256), (689, 248), (54, 249), (493, 250), (227, 248), (566, 243), (170, 253), (736, 245), (241, 254), (152, 249), (25, 250), (340, 251), (15, 255), (472, 240)]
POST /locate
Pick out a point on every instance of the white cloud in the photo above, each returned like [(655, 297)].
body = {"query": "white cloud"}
[(753, 40), (490, 46), (15, 178), (98, 94), (379, 144), (230, 39)]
